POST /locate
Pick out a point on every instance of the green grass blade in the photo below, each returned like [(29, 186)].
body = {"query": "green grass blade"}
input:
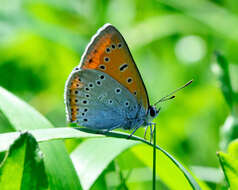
[(77, 133), (224, 78), (93, 156), (229, 164), (187, 175), (209, 14), (230, 168), (23, 168), (154, 160), (41, 135), (24, 117)]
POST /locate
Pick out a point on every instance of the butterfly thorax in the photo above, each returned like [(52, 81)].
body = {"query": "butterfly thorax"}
[(135, 118), (142, 118)]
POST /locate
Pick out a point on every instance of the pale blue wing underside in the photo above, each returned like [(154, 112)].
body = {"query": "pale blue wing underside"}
[(102, 102)]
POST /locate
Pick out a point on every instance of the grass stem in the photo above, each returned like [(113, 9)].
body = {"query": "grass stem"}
[(154, 160)]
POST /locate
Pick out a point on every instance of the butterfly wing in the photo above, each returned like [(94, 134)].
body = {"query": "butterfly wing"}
[(109, 53), (95, 100)]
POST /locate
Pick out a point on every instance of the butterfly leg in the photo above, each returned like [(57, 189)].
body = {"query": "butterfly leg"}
[(145, 131), (133, 132), (112, 128), (152, 125), (151, 132)]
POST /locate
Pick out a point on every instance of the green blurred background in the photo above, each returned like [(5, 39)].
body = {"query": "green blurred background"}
[(41, 41)]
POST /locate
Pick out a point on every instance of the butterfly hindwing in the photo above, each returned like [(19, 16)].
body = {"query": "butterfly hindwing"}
[(96, 100), (109, 53)]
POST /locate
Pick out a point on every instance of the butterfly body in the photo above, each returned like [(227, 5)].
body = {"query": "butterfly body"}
[(106, 90)]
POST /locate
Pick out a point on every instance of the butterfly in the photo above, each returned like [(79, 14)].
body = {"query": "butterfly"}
[(106, 90)]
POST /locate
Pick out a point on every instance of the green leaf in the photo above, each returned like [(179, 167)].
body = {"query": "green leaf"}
[(93, 156), (230, 168), (178, 169), (229, 164), (233, 149), (147, 31), (168, 160), (229, 131), (209, 14), (170, 171), (24, 117), (23, 168), (41, 135), (225, 79)]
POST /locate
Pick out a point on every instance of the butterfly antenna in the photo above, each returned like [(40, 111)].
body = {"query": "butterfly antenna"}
[(169, 96)]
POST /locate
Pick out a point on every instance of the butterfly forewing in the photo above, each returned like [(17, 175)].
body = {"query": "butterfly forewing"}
[(109, 53)]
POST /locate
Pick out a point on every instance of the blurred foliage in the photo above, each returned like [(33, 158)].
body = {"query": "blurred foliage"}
[(229, 130), (41, 41), (229, 164)]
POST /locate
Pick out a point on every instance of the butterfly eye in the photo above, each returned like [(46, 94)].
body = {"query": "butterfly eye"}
[(152, 111)]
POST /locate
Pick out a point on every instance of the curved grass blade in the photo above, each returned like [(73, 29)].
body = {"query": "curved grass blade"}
[(229, 164), (186, 174), (84, 132), (41, 135), (24, 165), (94, 155), (24, 117), (224, 78), (230, 168)]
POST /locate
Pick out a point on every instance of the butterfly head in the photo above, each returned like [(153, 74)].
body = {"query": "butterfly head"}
[(152, 113)]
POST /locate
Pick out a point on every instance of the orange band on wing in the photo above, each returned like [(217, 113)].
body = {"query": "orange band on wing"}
[(93, 59), (73, 90)]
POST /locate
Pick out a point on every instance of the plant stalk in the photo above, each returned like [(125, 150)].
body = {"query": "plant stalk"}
[(154, 160)]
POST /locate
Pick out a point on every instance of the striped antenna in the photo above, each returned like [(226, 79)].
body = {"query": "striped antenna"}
[(170, 95)]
